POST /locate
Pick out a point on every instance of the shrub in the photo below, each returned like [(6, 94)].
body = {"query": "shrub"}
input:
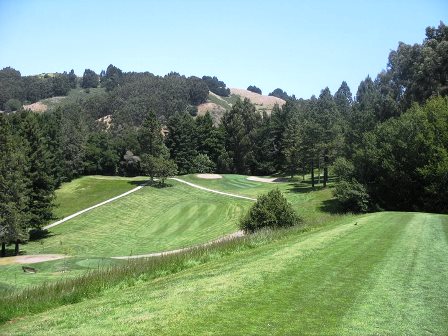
[(343, 168), (352, 196), (271, 210)]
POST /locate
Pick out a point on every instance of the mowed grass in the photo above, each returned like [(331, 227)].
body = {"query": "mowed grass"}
[(149, 220), (315, 206), (87, 191), (383, 273)]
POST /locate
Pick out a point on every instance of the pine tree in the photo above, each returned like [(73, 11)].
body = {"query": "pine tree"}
[(39, 172), (181, 141), (13, 189)]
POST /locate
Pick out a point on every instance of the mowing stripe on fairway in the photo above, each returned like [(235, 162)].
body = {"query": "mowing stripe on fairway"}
[(211, 190), (94, 206)]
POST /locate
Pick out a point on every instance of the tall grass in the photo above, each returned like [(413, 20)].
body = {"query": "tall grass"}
[(41, 298)]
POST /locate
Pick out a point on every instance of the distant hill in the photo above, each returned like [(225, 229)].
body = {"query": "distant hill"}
[(217, 105)]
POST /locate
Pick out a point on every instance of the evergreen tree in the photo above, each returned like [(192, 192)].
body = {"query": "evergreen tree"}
[(181, 141), (13, 189), (90, 79), (39, 172), (240, 126)]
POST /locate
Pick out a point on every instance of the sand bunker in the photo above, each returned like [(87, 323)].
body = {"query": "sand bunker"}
[(209, 176), (267, 180), (30, 259)]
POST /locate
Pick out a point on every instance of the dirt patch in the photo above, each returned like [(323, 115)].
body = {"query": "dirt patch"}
[(260, 101), (209, 176), (30, 259), (106, 121), (36, 107), (267, 179)]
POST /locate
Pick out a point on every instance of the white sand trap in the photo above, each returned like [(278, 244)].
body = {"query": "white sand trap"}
[(266, 179), (209, 176), (30, 259)]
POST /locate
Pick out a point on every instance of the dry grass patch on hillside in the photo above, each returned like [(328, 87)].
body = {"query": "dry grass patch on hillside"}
[(260, 101)]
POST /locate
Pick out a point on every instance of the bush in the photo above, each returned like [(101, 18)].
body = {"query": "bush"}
[(203, 164), (343, 168), (12, 105), (352, 196), (271, 210)]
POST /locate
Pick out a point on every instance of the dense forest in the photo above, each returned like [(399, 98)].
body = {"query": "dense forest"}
[(387, 144)]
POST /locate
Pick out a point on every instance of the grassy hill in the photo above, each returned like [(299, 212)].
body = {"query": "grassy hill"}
[(382, 273)]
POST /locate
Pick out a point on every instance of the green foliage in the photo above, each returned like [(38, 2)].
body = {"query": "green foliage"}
[(279, 93), (401, 162), (198, 90), (89, 79), (216, 86), (343, 168), (14, 186), (182, 142), (352, 196), (12, 105), (203, 164), (240, 130), (255, 89), (270, 211), (112, 78)]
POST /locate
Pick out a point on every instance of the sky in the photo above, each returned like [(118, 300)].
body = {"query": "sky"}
[(299, 46)]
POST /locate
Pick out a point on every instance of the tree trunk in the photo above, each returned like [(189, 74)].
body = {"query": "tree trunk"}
[(318, 170), (325, 170), (312, 173), (16, 248), (3, 253)]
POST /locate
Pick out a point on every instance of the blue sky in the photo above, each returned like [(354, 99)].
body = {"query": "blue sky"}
[(299, 46)]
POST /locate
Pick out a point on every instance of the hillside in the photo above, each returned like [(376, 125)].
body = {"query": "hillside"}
[(217, 105), (381, 273)]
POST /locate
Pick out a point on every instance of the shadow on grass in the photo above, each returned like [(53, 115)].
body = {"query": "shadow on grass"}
[(304, 187), (137, 183), (331, 206), (37, 234)]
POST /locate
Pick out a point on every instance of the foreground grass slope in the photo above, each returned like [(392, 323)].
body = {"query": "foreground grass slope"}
[(382, 273)]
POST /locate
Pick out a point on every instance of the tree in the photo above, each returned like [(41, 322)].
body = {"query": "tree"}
[(210, 140), (279, 93), (271, 210), (111, 78), (203, 164), (130, 166), (181, 142), (158, 167), (352, 196), (216, 86), (198, 90), (254, 89), (72, 79), (150, 137), (13, 189), (89, 79), (39, 172), (240, 128)]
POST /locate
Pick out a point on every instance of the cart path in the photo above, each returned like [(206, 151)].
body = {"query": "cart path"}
[(94, 206), (212, 190)]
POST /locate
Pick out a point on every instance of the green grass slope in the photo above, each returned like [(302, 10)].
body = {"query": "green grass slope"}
[(87, 191), (382, 273), (149, 220)]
